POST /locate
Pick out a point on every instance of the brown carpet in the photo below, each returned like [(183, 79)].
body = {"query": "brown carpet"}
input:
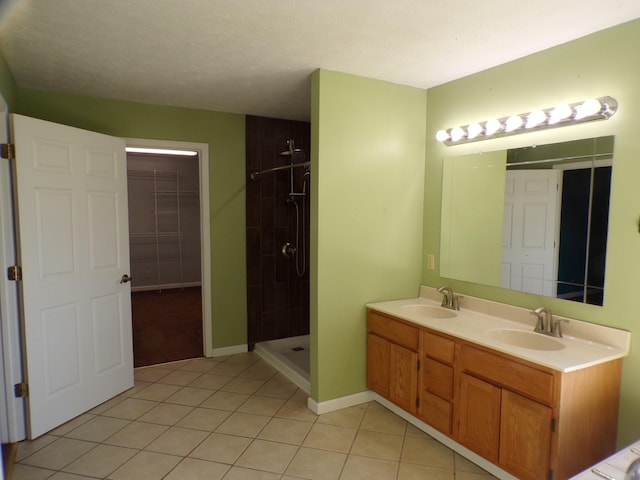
[(167, 325)]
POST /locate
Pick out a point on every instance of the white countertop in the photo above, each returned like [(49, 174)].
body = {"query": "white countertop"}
[(585, 343), (615, 466)]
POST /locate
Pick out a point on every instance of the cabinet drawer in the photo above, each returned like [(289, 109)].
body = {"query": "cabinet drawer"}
[(393, 330), (438, 347), (508, 373), (436, 412), (438, 378)]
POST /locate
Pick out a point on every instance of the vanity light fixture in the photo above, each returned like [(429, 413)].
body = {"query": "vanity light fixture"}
[(162, 151), (562, 115)]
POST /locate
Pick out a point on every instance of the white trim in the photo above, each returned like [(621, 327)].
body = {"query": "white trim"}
[(339, 403), (205, 229), (299, 380), (12, 414), (165, 286), (440, 437), (224, 351)]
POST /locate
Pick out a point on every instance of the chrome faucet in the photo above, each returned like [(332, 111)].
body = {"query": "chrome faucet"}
[(546, 323), (449, 299)]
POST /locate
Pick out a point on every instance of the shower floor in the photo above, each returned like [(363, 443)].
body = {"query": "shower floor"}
[(290, 356)]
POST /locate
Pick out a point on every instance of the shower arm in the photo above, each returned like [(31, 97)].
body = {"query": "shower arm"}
[(256, 175)]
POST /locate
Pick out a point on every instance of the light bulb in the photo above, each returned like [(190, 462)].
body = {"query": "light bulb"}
[(588, 108), (442, 136), (513, 123), (473, 130), (492, 127), (561, 112), (457, 133), (535, 118)]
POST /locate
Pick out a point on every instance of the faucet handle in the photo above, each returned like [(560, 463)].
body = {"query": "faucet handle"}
[(556, 331), (540, 322), (455, 301)]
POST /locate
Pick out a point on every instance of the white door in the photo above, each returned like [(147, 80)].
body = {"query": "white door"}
[(73, 247), (530, 231)]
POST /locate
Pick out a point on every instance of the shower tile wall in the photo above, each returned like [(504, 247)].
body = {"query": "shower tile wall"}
[(278, 299)]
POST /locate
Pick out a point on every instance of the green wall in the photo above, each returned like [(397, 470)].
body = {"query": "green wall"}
[(225, 134), (367, 174), (605, 63), (7, 84)]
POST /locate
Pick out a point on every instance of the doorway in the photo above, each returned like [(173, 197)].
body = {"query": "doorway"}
[(170, 258)]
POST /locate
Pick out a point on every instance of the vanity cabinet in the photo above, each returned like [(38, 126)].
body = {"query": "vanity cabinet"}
[(505, 412), (392, 359), (530, 420), (435, 402)]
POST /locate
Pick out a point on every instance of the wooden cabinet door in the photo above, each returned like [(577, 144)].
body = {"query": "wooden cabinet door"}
[(479, 417), (403, 385), (378, 363), (525, 437)]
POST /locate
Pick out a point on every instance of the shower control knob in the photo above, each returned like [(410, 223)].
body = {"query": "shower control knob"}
[(288, 250)]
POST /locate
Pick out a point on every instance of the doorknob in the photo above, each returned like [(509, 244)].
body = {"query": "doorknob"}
[(125, 278)]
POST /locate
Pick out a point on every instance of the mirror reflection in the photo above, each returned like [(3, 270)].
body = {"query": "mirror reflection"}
[(532, 219)]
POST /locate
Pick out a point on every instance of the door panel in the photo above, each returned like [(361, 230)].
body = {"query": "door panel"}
[(72, 224)]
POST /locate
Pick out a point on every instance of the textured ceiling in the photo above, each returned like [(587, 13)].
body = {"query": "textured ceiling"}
[(255, 56)]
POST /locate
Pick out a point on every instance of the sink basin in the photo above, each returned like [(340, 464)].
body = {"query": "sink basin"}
[(430, 311), (525, 339)]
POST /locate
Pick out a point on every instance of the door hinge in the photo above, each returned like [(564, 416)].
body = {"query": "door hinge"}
[(7, 150), (553, 424), (21, 390), (14, 273)]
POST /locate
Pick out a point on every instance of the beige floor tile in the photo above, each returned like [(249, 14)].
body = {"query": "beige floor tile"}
[(194, 469), (296, 409), (363, 468), (277, 389), (157, 392), (259, 371), (201, 365), (221, 448), (179, 378), (316, 464), (330, 437), (464, 465), (130, 408), (285, 431), (377, 445), (68, 476), (424, 451), (247, 358), (98, 429), (136, 435), (347, 417), (150, 374), (207, 419), (410, 471), (225, 401), (166, 414), (177, 441), (58, 454), (379, 419), (26, 472), (72, 424), (210, 381), (242, 385), (100, 461), (103, 407), (268, 456), (413, 431), (473, 476), (259, 405), (190, 396), (243, 424), (239, 473), (138, 385), (27, 447), (229, 369), (147, 466)]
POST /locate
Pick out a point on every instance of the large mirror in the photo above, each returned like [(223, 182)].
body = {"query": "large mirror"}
[(532, 219)]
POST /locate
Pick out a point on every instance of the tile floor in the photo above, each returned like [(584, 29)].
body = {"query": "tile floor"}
[(234, 418)]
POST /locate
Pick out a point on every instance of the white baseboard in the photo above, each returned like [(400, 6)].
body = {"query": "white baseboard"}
[(222, 351), (339, 403), (440, 437)]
